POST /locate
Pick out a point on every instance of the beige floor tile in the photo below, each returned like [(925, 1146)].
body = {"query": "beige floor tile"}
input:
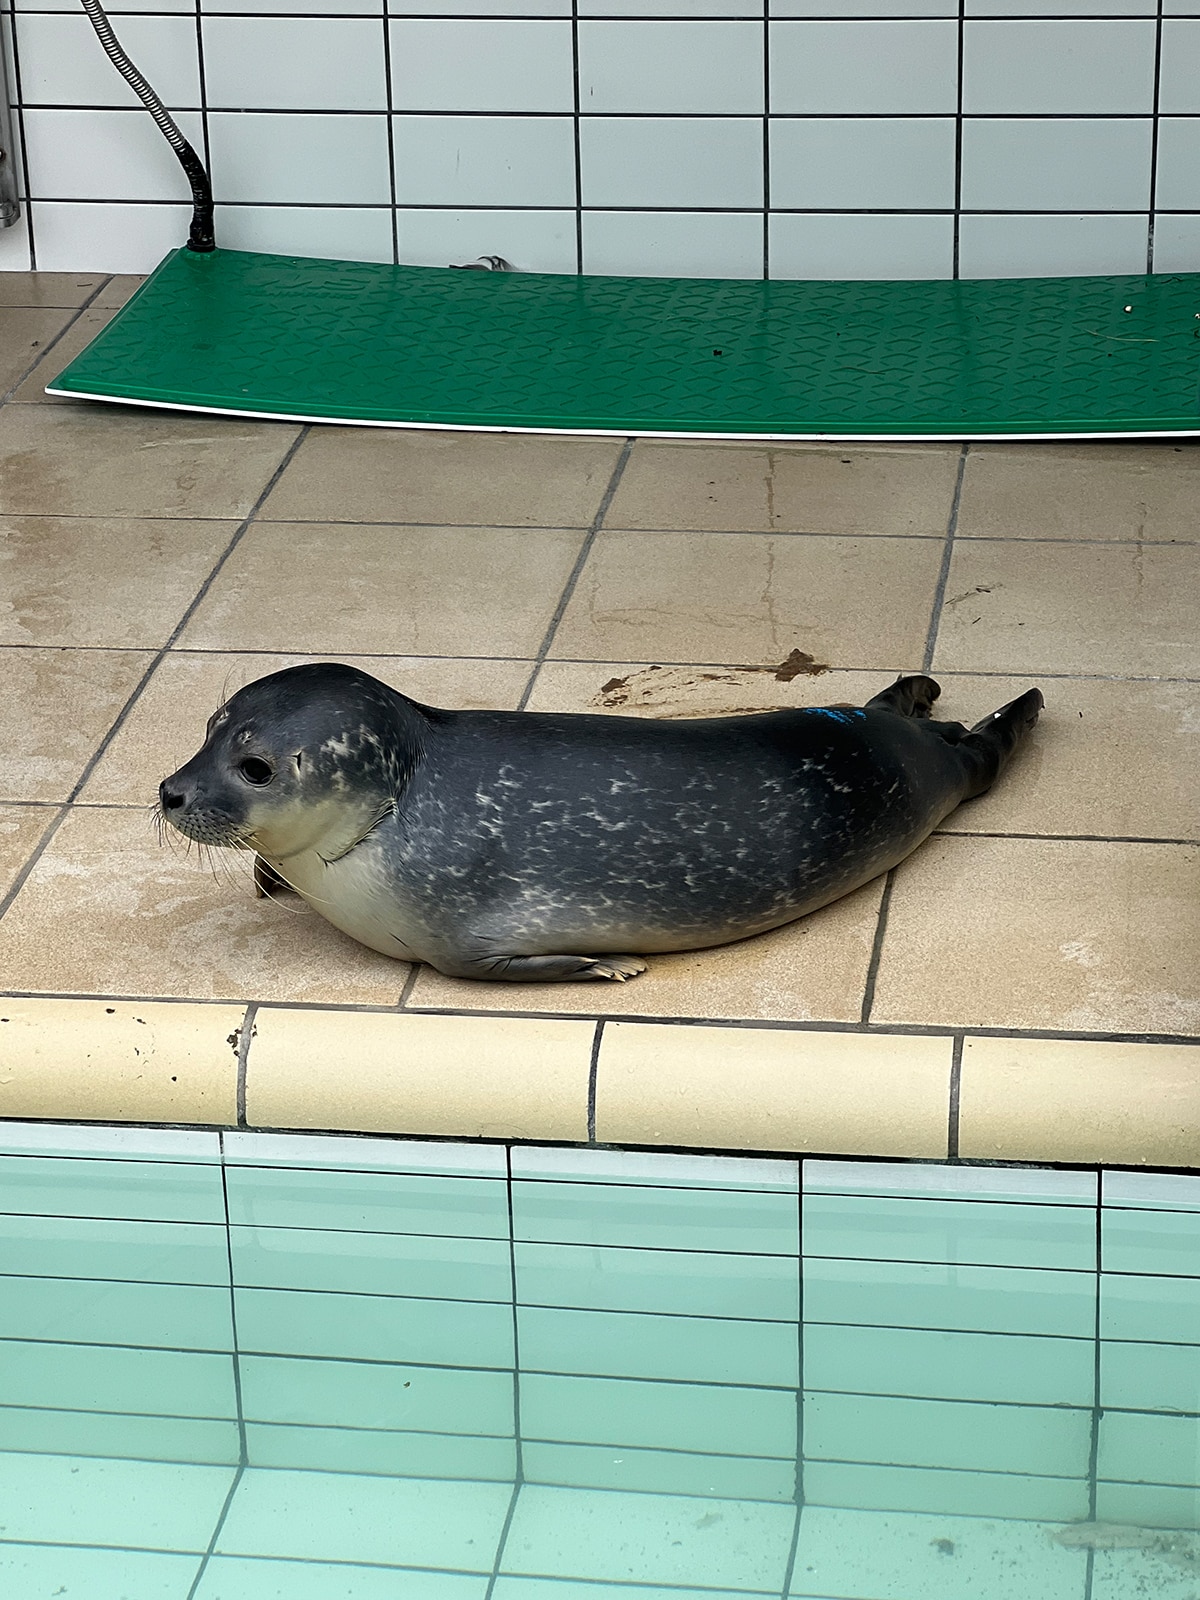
[(1077, 1100), (759, 1089), (166, 726), (109, 910), (23, 332), (1086, 491), (48, 288), (121, 1061), (1024, 607), (1025, 933), (99, 581), (751, 599), (518, 1078), (56, 707), (397, 475), (847, 490), (20, 829), (90, 460), (642, 689), (1108, 758), (119, 288), (76, 339), (371, 589), (812, 970)]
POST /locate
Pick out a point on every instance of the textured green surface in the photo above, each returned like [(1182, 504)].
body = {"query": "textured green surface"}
[(342, 341)]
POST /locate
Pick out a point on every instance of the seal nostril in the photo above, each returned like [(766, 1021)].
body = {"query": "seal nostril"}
[(171, 800)]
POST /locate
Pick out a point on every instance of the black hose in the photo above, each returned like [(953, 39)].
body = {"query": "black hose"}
[(200, 236)]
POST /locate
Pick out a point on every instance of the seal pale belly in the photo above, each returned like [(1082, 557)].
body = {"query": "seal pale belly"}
[(536, 847)]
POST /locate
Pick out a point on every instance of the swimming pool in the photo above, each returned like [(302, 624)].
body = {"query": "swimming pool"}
[(245, 1366)]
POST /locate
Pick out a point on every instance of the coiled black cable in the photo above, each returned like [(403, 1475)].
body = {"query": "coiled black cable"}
[(200, 235)]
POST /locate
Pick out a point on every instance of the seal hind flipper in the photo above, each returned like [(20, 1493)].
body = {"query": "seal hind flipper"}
[(989, 745), (546, 969), (907, 697)]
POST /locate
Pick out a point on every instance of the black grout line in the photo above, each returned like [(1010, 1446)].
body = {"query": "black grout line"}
[(939, 593), (518, 1465), (410, 983), (593, 1078), (245, 1035), (1155, 133), (956, 251), (1097, 1414), (955, 1094), (576, 136), (391, 136), (573, 577), (885, 901)]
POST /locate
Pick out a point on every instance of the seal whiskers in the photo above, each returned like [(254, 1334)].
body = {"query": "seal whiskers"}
[(533, 847)]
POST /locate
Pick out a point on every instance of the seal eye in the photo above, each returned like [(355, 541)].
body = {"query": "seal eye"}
[(256, 771)]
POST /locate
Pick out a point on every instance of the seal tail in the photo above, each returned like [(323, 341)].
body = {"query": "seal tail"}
[(988, 747), (908, 697)]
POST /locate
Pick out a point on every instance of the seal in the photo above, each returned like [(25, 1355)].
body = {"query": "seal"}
[(542, 848)]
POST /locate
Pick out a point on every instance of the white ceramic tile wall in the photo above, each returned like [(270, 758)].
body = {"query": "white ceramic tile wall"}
[(800, 138)]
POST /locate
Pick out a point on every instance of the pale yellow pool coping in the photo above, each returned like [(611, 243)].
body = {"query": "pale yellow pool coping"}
[(913, 1093)]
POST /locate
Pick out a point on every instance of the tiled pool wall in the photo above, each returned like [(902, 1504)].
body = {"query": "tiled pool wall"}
[(928, 1359), (795, 138)]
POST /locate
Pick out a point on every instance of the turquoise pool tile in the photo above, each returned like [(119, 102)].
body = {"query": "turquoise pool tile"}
[(149, 1314), (98, 1141), (346, 1517), (686, 1282), (361, 1394), (564, 1589), (972, 1232), (893, 1557), (620, 1344), (150, 1191), (99, 1378), (1149, 1505), (1026, 1369), (1048, 1441), (1149, 1377), (656, 1218), (974, 1299), (1162, 1310), (36, 1572), (1137, 1448), (341, 1154), (399, 1455), (420, 1265), (1150, 1241), (588, 1466), (237, 1578), (1169, 1191), (664, 1416), (368, 1202), (104, 1247), (149, 1505), (1005, 1495), (100, 1433), (1165, 1573), (654, 1168), (649, 1539), (446, 1333), (928, 1179)]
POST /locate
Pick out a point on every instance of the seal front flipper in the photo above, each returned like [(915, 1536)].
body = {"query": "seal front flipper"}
[(546, 969)]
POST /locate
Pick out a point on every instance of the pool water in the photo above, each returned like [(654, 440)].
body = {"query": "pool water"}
[(256, 1367)]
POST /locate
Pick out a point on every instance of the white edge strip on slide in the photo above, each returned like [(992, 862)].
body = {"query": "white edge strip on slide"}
[(624, 433)]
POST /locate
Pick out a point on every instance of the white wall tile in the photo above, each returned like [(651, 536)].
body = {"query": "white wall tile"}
[(1090, 67), (1020, 247), (14, 244), (873, 162), (297, 158), (702, 67), (1060, 164), (904, 68), (106, 237), (1180, 81), (534, 241), (673, 244), (1061, 8), (671, 161), (830, 246), (478, 8), (317, 8), (184, 7), (105, 155), (301, 63), (335, 233), (826, 9), (747, 10), (1178, 172), (453, 65), (62, 62), (482, 161), (1177, 244)]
